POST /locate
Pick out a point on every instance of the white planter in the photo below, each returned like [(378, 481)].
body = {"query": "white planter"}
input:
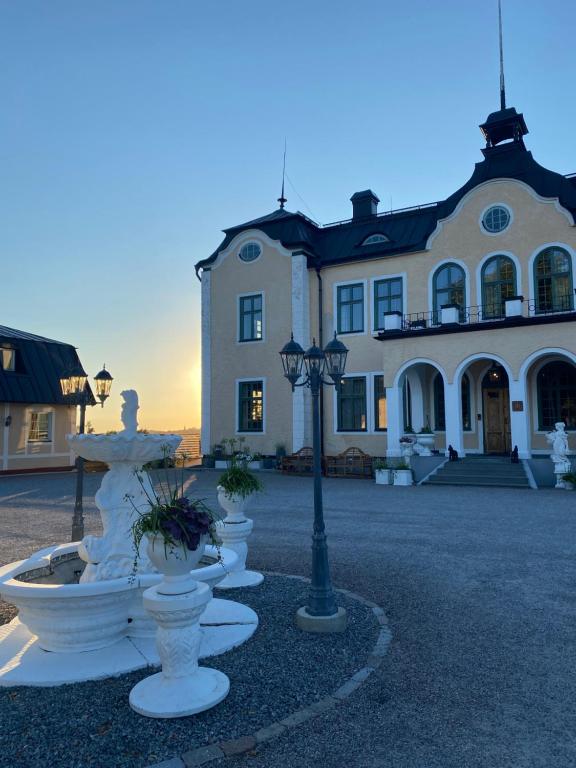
[(382, 476), (233, 504), (402, 477), (426, 442), (175, 563)]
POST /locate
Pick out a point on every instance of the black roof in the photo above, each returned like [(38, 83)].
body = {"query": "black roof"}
[(40, 363), (408, 230)]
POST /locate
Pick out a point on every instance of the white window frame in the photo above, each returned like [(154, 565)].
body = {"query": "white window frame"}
[(237, 382), (250, 241), (384, 239), (12, 367), (485, 211), (343, 284), (399, 275), (480, 267), (40, 411), (434, 269), (239, 297)]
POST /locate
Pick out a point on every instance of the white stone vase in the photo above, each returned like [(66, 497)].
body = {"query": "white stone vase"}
[(233, 504), (175, 563), (426, 440)]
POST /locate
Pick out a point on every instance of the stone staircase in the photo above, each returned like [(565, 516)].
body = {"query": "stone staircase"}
[(489, 471)]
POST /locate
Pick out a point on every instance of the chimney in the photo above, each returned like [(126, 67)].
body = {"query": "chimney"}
[(364, 204)]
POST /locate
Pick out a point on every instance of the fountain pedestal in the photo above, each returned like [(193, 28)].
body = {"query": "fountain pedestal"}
[(182, 687)]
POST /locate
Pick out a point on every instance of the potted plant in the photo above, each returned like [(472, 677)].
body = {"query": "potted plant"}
[(255, 461), (569, 481), (407, 445), (402, 474), (280, 453), (236, 487), (176, 529), (208, 461), (269, 462), (381, 472), (426, 439)]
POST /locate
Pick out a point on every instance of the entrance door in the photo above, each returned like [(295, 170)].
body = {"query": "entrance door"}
[(496, 421)]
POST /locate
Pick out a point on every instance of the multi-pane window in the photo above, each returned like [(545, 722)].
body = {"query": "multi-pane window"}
[(352, 405), (449, 288), (380, 410), (498, 283), (557, 395), (250, 406), (387, 298), (350, 308), (40, 430), (440, 405), (8, 359), (553, 281), (496, 219), (251, 318), (407, 404)]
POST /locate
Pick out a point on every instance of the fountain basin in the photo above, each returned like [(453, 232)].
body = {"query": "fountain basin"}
[(136, 449), (75, 617)]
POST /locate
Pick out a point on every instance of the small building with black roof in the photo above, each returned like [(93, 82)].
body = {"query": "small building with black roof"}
[(35, 417)]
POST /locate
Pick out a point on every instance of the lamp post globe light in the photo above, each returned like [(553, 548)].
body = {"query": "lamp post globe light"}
[(321, 614), (74, 389)]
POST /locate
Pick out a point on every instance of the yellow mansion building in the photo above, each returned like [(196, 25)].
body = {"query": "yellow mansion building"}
[(458, 316)]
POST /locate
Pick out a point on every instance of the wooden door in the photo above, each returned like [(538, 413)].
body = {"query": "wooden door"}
[(496, 421)]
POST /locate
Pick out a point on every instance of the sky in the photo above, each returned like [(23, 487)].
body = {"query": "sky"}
[(133, 131)]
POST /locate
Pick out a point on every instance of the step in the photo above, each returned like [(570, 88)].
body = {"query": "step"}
[(485, 483)]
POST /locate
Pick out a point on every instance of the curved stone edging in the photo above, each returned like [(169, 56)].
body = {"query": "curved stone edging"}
[(205, 755)]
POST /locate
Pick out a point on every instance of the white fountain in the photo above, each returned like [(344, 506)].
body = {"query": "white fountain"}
[(83, 601)]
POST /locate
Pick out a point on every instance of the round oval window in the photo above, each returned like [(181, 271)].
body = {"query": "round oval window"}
[(250, 252), (496, 219)]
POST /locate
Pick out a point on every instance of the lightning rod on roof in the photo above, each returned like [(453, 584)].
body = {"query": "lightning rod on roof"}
[(282, 199), (502, 84)]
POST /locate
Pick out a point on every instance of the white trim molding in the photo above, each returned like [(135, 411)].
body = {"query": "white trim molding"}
[(206, 361), (301, 402), (248, 235), (508, 210)]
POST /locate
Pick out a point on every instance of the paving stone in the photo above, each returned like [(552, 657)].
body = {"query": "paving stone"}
[(362, 674), (238, 746), (324, 704), (202, 755), (347, 689), (265, 734), (298, 717)]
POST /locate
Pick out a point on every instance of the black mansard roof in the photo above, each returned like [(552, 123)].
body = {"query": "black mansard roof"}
[(40, 363), (408, 230)]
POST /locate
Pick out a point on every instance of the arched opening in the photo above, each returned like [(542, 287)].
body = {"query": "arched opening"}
[(440, 405), (553, 281), (449, 287), (556, 395), (498, 284)]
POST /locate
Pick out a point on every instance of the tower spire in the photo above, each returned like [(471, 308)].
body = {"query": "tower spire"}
[(502, 84), (282, 199)]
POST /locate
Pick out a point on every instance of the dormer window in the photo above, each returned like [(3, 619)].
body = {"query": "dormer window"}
[(8, 359), (250, 252), (374, 239)]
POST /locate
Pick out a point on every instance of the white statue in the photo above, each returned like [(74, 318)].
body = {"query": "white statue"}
[(129, 412), (559, 442)]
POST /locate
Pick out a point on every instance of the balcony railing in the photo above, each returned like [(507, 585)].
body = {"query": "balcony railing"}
[(454, 317)]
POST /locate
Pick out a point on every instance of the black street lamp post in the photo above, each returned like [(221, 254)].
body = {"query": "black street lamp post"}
[(74, 389), (321, 614)]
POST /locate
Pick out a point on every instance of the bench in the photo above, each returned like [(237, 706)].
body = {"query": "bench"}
[(350, 463), (299, 463)]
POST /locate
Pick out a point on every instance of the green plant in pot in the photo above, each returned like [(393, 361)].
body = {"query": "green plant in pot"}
[(176, 528), (236, 486), (569, 480)]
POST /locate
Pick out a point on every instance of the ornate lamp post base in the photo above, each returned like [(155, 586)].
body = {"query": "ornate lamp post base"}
[(335, 623), (182, 687)]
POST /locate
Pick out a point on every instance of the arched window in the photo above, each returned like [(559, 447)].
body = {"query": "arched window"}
[(553, 281), (440, 407), (556, 386), (449, 288), (375, 239), (498, 283)]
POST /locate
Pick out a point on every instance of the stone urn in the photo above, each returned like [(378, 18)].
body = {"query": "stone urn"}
[(426, 442), (174, 562), (233, 504), (234, 531)]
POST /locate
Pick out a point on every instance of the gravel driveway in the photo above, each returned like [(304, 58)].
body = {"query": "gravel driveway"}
[(479, 588)]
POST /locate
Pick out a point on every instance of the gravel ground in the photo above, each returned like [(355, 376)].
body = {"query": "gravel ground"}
[(479, 588), (276, 672)]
